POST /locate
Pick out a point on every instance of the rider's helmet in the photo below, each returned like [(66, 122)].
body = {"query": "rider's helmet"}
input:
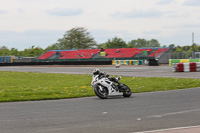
[(96, 71)]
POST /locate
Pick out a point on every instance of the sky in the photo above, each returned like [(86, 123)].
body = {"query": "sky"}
[(26, 23)]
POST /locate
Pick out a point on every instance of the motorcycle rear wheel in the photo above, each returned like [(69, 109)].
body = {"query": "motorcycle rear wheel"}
[(101, 94)]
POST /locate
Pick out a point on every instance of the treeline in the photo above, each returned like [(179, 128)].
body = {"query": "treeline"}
[(193, 48), (80, 38), (30, 52)]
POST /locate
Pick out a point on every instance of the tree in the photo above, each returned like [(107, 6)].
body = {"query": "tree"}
[(194, 47), (13, 51), (179, 49), (143, 43), (153, 43), (132, 44), (172, 46), (4, 51), (76, 38), (186, 48), (31, 52), (53, 47), (115, 43), (102, 45)]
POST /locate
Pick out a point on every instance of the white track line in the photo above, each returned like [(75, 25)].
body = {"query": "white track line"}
[(168, 129), (173, 113)]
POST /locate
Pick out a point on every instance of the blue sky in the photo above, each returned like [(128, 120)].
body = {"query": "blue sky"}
[(42, 22)]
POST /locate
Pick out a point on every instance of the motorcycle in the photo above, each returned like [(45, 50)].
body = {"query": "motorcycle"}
[(105, 87)]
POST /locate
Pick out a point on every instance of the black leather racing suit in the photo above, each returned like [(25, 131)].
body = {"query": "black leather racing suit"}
[(113, 79)]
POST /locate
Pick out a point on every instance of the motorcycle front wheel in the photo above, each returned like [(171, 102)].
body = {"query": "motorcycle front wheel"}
[(103, 94), (127, 91)]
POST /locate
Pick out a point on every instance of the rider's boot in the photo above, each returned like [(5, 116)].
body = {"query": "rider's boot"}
[(117, 88)]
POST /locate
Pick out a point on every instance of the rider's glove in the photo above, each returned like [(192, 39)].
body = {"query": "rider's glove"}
[(107, 75)]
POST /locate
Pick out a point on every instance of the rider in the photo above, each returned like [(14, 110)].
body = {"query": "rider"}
[(98, 72)]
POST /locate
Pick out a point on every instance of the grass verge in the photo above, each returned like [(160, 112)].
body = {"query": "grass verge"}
[(26, 86)]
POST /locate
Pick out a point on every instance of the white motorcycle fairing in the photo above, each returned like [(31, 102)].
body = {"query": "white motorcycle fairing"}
[(105, 82)]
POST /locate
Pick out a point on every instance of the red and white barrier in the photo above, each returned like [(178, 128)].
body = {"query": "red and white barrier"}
[(186, 67)]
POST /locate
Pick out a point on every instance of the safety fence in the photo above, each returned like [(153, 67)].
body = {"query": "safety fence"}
[(58, 63), (6, 59), (186, 67), (127, 62), (172, 61)]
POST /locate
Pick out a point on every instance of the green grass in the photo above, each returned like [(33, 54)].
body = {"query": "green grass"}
[(24, 86)]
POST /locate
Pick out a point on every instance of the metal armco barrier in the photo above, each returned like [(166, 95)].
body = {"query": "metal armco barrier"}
[(186, 67)]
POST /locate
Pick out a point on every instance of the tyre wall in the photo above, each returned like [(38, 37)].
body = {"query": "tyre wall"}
[(171, 61), (127, 62), (186, 67)]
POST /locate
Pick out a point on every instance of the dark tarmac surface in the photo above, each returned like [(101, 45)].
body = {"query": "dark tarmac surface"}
[(140, 112), (133, 71)]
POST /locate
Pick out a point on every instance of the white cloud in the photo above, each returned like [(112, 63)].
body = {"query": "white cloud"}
[(152, 13), (183, 37), (102, 36), (64, 12), (2, 12), (192, 3), (21, 40), (152, 32), (23, 22), (164, 2), (194, 26)]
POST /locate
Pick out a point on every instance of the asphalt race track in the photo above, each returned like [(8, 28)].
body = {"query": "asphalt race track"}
[(136, 71), (140, 112)]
